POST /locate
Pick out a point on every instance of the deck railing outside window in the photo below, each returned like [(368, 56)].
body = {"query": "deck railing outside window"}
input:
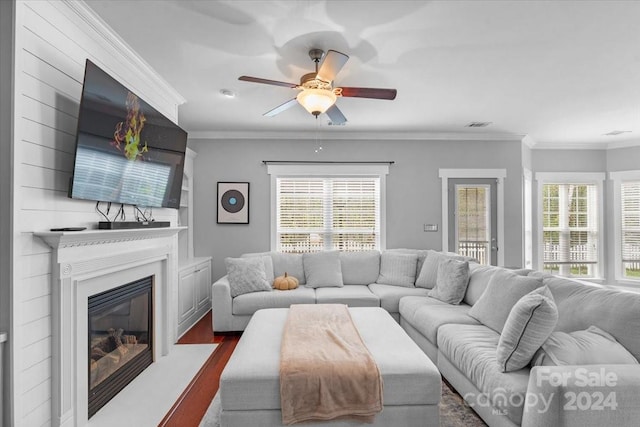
[(477, 250)]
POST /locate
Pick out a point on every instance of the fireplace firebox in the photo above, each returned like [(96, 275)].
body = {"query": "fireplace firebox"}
[(120, 339)]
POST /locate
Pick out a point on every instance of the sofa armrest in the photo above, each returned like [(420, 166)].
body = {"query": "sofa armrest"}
[(222, 304), (582, 396)]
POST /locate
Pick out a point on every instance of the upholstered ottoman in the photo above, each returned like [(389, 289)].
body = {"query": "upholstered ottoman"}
[(250, 383)]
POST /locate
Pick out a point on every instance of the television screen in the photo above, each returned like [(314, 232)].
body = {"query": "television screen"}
[(126, 151)]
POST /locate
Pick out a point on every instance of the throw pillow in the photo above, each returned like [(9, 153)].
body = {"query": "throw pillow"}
[(246, 275), (397, 269), (322, 269), (589, 347), (479, 276), (428, 274), (268, 264), (452, 281), (421, 253), (504, 290), (529, 324)]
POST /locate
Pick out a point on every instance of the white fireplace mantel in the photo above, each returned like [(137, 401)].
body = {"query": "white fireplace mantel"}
[(68, 239), (92, 261)]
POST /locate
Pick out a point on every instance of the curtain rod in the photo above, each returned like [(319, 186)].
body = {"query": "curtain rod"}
[(318, 162)]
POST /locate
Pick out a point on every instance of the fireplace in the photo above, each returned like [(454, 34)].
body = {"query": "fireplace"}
[(91, 263), (120, 339)]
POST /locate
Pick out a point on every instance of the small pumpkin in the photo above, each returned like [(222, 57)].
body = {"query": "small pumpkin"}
[(286, 282)]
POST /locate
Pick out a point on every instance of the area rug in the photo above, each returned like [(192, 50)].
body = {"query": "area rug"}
[(454, 412)]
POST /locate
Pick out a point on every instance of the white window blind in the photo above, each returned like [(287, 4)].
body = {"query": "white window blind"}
[(630, 231), (327, 213), (570, 229)]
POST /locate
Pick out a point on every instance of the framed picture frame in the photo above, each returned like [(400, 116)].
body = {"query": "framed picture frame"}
[(233, 203)]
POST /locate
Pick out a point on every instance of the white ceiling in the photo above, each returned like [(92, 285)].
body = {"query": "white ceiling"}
[(563, 73)]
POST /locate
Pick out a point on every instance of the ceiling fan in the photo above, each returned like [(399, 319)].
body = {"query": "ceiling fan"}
[(317, 94)]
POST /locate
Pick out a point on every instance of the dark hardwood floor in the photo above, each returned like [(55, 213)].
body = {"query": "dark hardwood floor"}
[(194, 401)]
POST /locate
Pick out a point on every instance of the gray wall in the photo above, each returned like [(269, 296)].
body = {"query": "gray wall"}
[(413, 188), (7, 9), (622, 159), (569, 160)]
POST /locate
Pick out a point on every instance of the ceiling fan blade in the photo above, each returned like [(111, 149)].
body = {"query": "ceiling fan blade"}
[(331, 64), (369, 92), (336, 116), (266, 81), (280, 108)]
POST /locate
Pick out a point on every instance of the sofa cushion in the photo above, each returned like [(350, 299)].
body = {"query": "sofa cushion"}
[(581, 305), (428, 275), (452, 281), (397, 269), (390, 295), (504, 290), (248, 304), (322, 269), (427, 314), (360, 267), (352, 295), (472, 349), (589, 347), (268, 264), (246, 275), (288, 263), (529, 324), (479, 276)]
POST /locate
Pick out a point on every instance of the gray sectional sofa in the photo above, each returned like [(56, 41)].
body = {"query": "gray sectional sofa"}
[(464, 350), (362, 286), (463, 339)]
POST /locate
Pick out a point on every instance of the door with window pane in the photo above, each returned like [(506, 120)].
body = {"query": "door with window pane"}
[(570, 229), (472, 219)]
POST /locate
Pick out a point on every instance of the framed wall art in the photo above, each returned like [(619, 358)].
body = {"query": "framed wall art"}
[(233, 203)]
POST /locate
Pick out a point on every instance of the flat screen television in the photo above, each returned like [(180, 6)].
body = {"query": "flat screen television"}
[(126, 151)]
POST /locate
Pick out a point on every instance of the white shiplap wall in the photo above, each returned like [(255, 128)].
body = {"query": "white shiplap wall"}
[(53, 40)]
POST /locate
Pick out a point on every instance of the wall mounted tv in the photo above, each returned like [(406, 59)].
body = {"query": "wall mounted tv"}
[(126, 151)]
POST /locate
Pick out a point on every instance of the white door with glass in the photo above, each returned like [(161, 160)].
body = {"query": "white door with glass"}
[(472, 218)]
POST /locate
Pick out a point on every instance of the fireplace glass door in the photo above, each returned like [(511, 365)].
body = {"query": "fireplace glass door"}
[(120, 339)]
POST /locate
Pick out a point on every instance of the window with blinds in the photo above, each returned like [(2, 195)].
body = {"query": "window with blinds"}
[(570, 229), (630, 229), (327, 213)]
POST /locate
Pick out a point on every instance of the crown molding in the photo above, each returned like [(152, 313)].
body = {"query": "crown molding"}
[(598, 145), (570, 146), (355, 136), (113, 41)]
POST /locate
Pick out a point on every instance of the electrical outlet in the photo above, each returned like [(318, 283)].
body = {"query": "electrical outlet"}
[(430, 227)]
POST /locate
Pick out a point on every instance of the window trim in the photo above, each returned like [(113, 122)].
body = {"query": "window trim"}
[(328, 170), (594, 178), (618, 178)]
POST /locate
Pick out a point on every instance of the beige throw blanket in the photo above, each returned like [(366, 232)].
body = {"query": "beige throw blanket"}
[(326, 371)]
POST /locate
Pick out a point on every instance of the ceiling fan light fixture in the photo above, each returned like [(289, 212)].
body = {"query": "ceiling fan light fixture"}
[(316, 101)]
